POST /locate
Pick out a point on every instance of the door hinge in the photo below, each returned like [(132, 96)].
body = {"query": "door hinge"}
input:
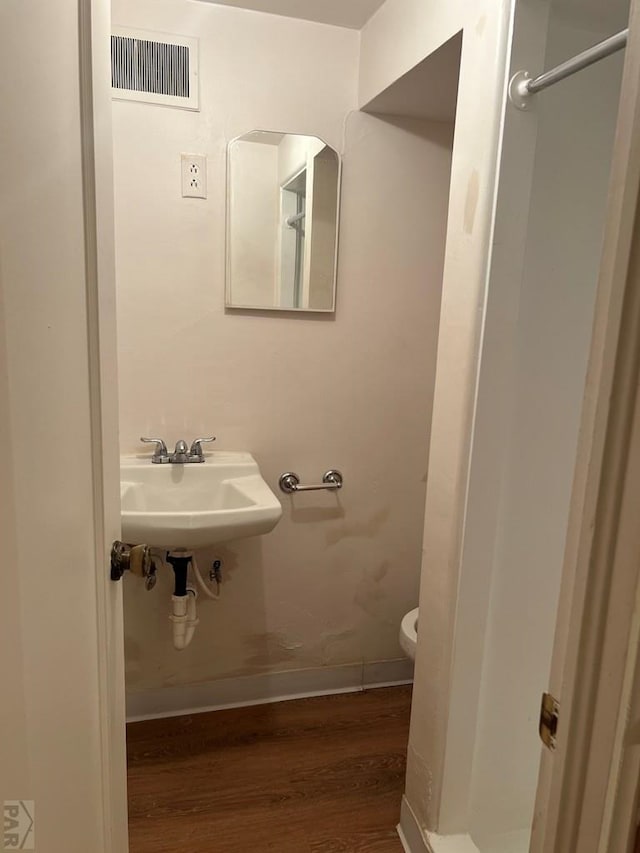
[(549, 715)]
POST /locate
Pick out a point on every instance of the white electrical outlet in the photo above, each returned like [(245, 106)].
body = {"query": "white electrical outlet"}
[(194, 176)]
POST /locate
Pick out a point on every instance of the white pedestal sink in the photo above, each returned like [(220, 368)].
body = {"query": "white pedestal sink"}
[(195, 505)]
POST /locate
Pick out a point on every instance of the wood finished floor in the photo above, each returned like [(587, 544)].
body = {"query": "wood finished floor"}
[(322, 775)]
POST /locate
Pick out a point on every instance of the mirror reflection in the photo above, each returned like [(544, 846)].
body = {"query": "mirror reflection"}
[(282, 230)]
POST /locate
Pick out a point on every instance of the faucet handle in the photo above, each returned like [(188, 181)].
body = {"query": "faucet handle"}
[(196, 454), (160, 456)]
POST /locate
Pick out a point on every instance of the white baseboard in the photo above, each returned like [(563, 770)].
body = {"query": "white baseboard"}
[(415, 840), (263, 688), (409, 830), (450, 843)]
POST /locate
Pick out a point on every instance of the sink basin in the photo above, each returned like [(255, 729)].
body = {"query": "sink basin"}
[(195, 505)]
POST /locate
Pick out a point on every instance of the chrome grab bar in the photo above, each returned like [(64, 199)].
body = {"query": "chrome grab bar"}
[(290, 482)]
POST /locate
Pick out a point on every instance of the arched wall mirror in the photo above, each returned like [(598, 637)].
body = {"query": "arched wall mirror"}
[(283, 199)]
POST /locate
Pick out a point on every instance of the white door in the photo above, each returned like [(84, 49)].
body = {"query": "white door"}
[(587, 787), (62, 759)]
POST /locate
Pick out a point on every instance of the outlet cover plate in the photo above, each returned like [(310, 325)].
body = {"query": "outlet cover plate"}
[(194, 176)]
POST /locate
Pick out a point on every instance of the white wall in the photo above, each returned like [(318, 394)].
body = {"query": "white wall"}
[(399, 36), (330, 584), (575, 128), (458, 604), (457, 782)]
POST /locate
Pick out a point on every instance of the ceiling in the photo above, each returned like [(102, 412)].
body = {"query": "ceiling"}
[(340, 13), (355, 13)]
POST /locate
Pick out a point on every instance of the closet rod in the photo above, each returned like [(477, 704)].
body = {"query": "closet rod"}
[(522, 86)]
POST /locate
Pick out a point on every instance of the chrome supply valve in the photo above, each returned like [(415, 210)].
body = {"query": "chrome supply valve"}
[(215, 572)]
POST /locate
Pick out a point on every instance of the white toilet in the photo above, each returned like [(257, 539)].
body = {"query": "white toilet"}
[(409, 633)]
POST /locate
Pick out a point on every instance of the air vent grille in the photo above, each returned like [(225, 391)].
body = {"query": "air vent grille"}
[(149, 66), (155, 70)]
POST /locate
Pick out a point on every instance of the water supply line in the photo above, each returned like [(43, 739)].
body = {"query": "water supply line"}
[(203, 586)]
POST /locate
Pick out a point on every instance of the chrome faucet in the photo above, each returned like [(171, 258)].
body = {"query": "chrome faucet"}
[(181, 455)]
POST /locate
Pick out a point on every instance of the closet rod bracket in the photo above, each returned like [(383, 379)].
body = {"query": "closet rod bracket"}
[(519, 94)]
